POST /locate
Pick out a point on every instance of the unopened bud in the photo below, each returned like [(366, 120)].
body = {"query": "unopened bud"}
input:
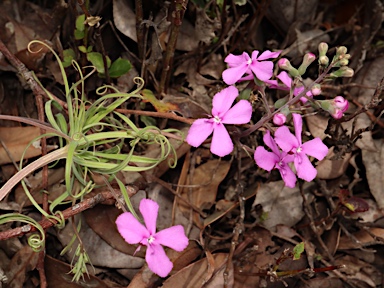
[(323, 60), (337, 114), (335, 107), (307, 60), (279, 119), (340, 103), (316, 89), (286, 65), (279, 103), (342, 50), (343, 62), (323, 49), (344, 71)]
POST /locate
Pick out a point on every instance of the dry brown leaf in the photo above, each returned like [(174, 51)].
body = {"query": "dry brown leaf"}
[(364, 237), (58, 276), (124, 18), (99, 251), (16, 140), (283, 205), (195, 275), (374, 166), (331, 169), (24, 261), (207, 177)]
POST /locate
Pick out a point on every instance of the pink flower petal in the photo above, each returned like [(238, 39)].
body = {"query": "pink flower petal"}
[(298, 124), (264, 159), (287, 175), (315, 148), (247, 77), (130, 228), (223, 101), (231, 75), (304, 168), (240, 113), (221, 142), (285, 139), (149, 209), (254, 55), (270, 142), (285, 78), (267, 55), (199, 131), (263, 70), (236, 60), (158, 261), (172, 237)]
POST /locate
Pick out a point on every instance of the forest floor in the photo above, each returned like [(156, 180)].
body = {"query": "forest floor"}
[(114, 86)]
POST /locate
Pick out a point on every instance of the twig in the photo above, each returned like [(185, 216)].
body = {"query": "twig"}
[(27, 75), (67, 213), (165, 115), (178, 8)]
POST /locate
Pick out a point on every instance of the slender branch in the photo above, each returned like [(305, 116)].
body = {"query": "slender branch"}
[(67, 213), (178, 8), (26, 74)]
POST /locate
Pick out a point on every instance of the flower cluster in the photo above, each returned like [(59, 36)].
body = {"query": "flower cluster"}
[(292, 150), (134, 232)]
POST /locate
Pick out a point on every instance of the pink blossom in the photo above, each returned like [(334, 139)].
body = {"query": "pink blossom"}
[(279, 119), (287, 83), (222, 113), (243, 64), (290, 143), (134, 232), (340, 103), (275, 159)]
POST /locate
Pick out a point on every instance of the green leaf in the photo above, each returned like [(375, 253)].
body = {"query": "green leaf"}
[(68, 56), (80, 26), (97, 60), (83, 49), (79, 34), (298, 250), (148, 121), (119, 67)]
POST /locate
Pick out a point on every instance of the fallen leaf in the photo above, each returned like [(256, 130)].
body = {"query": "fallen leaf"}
[(58, 276), (282, 205), (23, 262), (16, 140), (195, 275), (374, 163), (207, 178)]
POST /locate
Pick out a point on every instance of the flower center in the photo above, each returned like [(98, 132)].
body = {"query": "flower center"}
[(217, 119), (298, 150), (249, 62), (150, 239)]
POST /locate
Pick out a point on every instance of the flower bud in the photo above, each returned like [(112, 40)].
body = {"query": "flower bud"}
[(344, 71), (323, 49), (279, 119), (341, 51), (286, 65), (337, 114), (307, 60), (323, 60), (340, 103), (316, 89), (343, 62)]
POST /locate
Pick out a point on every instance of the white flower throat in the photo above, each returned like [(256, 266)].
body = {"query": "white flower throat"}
[(150, 239), (217, 119)]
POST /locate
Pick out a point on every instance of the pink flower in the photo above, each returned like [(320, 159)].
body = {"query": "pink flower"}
[(134, 232), (279, 119), (292, 144), (275, 159), (243, 64), (287, 83), (340, 103), (222, 113)]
